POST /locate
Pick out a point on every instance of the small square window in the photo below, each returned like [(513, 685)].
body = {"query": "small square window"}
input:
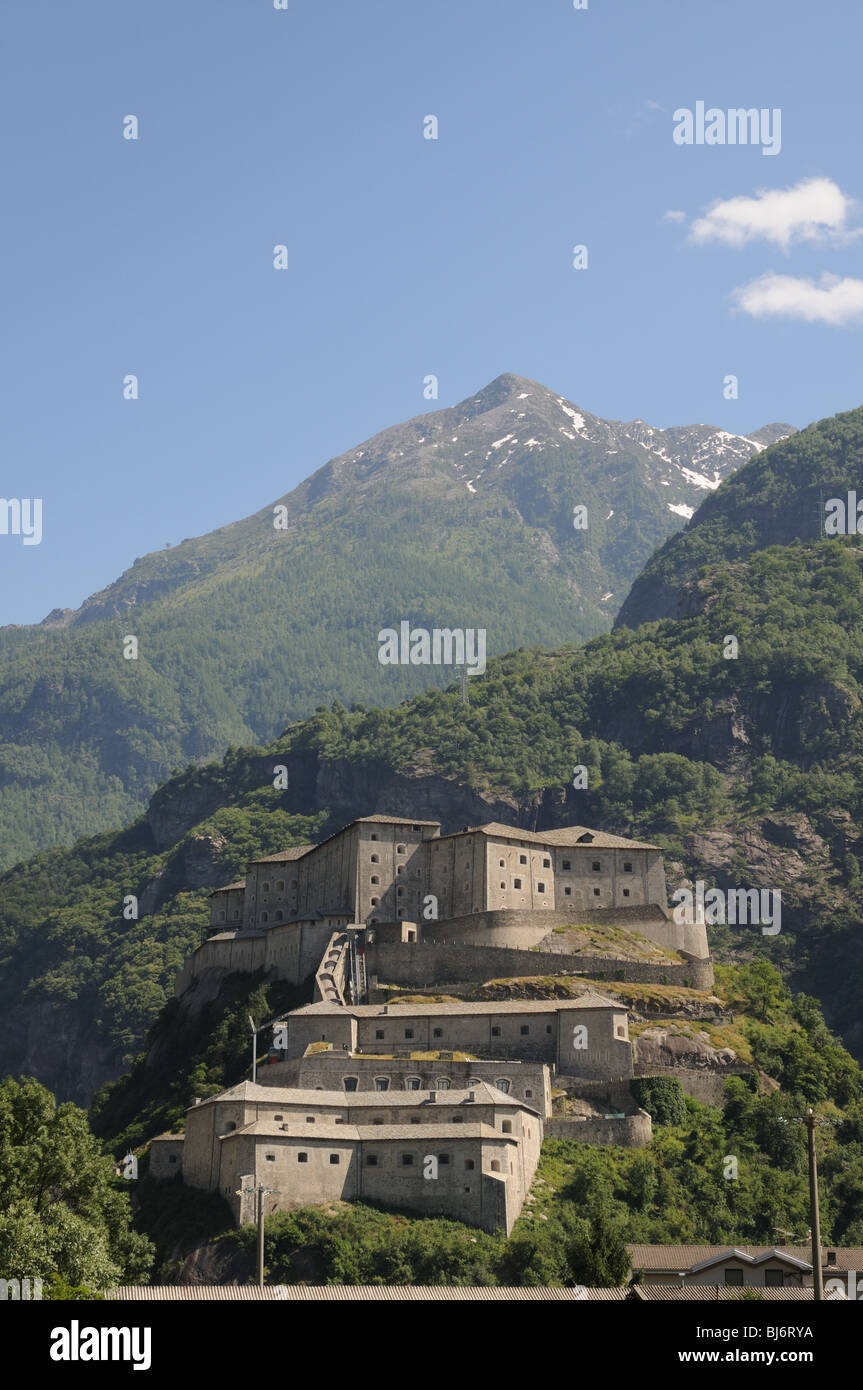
[(524, 1030), (409, 1032), (469, 1167), (271, 1158), (567, 892), (437, 1032), (546, 863), (495, 1032), (371, 1160), (335, 1158), (567, 864), (302, 1158), (528, 1095), (627, 866), (596, 866), (522, 859), (407, 1160), (379, 1034), (442, 1159)]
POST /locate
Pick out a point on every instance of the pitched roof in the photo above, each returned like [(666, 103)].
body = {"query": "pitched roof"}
[(284, 856), (276, 1096), (717, 1293), (676, 1257), (356, 1293), (229, 888), (567, 837), (589, 1000)]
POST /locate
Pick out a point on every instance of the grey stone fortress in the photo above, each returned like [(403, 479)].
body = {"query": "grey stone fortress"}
[(483, 885), (403, 1082)]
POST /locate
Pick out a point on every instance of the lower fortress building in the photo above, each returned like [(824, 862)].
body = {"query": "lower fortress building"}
[(437, 1107)]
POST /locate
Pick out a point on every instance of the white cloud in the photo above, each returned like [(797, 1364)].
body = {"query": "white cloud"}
[(813, 210), (674, 216), (834, 300)]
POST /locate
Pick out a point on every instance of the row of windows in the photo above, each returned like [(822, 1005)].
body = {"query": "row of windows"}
[(406, 1160), (410, 1033), (442, 1083), (280, 884)]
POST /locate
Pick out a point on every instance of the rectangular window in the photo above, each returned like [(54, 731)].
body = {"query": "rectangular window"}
[(409, 1032), (516, 883), (524, 1030), (627, 866), (302, 1158), (379, 1034), (734, 1277), (407, 1160), (567, 892), (469, 1165), (773, 1278), (371, 1160), (567, 864), (596, 866), (437, 1032), (546, 863), (335, 1158), (271, 1158), (540, 888), (522, 859), (495, 1032)]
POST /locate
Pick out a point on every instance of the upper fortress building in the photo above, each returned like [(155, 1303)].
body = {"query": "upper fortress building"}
[(384, 869)]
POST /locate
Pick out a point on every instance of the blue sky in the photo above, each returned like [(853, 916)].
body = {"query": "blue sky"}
[(406, 256)]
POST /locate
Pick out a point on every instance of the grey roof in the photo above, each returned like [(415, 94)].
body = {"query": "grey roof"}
[(676, 1257), (275, 1096), (356, 1293), (588, 1000), (284, 856), (718, 1293), (567, 837)]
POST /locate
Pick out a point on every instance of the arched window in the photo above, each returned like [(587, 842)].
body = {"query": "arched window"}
[(280, 884), (375, 859), (400, 849), (375, 902), (266, 886), (503, 1084), (442, 1083), (375, 878), (350, 1083), (413, 1083)]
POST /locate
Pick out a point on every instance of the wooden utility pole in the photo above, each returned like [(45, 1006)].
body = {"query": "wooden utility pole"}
[(815, 1220)]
